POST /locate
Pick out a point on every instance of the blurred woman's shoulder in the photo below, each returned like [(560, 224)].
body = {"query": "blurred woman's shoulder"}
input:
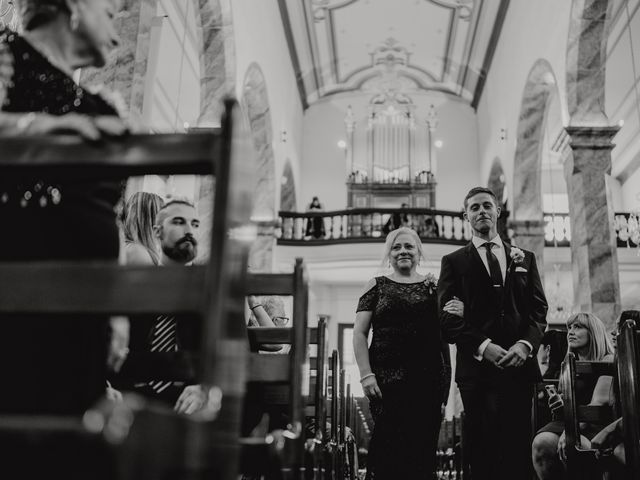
[(136, 254)]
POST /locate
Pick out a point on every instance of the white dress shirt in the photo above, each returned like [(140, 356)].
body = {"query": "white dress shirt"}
[(501, 254)]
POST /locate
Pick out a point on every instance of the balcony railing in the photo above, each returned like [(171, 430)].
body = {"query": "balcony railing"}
[(360, 225), (371, 225), (558, 230)]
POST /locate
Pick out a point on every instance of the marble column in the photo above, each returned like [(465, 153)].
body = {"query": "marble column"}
[(529, 234), (217, 58), (126, 67), (594, 254)]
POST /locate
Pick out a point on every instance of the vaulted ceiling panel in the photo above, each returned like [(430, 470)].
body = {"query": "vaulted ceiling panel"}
[(349, 45)]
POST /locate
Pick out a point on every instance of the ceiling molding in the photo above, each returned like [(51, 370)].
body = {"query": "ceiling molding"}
[(491, 49)]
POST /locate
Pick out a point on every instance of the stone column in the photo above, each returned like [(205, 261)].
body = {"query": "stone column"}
[(529, 234), (126, 68), (261, 256), (217, 58), (594, 254)]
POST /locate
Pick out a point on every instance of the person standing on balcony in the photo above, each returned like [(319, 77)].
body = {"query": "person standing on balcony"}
[(315, 225), (501, 328), (404, 371)]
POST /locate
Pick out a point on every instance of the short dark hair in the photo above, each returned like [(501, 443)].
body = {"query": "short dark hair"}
[(176, 201), (476, 191)]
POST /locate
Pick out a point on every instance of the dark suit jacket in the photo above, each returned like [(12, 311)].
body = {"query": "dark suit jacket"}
[(518, 313)]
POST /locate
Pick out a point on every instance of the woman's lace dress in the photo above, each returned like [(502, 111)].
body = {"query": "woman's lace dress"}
[(406, 357)]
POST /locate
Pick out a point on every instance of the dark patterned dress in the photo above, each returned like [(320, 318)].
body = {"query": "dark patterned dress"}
[(52, 365), (406, 356)]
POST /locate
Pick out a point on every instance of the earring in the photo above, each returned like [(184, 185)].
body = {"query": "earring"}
[(74, 21)]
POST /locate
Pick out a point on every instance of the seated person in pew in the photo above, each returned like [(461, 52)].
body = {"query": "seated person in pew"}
[(611, 438), (163, 344), (553, 349), (141, 245), (56, 367), (268, 311), (588, 339)]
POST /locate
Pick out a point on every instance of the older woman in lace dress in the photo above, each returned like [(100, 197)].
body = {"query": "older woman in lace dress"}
[(403, 371)]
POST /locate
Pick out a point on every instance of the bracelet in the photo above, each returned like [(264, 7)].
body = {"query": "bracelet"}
[(367, 376), (255, 306)]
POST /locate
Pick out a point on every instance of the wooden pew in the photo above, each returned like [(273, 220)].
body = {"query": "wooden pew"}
[(155, 440), (280, 380), (582, 463), (315, 405), (628, 366)]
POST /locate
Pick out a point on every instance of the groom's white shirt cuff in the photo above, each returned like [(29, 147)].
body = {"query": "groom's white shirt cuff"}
[(483, 347)]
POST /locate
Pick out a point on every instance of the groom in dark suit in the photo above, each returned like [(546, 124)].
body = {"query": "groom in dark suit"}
[(497, 339)]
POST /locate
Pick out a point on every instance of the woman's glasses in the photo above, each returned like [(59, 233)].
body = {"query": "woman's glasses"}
[(280, 321)]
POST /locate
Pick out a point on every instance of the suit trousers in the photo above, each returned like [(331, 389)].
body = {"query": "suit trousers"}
[(497, 430)]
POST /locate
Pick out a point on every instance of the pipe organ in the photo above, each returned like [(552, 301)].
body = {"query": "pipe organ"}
[(392, 168)]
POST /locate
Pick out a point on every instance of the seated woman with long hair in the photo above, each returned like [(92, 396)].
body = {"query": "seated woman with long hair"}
[(588, 340), (141, 246)]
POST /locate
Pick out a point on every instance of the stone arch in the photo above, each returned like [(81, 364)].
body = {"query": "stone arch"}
[(586, 61), (288, 200), (527, 218), (255, 101)]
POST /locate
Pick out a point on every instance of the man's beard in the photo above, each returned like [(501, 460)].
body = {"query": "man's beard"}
[(183, 251)]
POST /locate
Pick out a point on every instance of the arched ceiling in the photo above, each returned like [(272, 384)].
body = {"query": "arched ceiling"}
[(339, 46)]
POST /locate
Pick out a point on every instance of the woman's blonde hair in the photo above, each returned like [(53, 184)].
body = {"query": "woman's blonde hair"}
[(599, 344), (391, 239), (140, 213)]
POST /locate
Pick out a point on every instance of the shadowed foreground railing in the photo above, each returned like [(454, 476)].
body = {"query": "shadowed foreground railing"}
[(359, 225)]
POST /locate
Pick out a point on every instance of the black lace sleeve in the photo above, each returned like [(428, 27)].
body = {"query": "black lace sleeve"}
[(368, 299)]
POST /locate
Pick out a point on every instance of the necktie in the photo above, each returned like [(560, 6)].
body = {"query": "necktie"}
[(163, 339), (494, 265)]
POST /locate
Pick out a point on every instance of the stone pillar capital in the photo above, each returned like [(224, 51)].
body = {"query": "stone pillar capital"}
[(591, 148), (590, 137)]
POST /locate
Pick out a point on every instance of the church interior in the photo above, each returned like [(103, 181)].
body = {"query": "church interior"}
[(332, 123)]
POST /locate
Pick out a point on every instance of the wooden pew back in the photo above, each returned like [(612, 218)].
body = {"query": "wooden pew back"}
[(629, 378), (581, 462), (212, 292)]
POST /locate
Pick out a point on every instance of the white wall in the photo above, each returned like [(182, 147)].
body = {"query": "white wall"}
[(259, 37), (172, 92), (532, 30)]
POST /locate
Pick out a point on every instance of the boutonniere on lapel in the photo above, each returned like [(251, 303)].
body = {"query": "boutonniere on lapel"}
[(431, 282), (517, 258)]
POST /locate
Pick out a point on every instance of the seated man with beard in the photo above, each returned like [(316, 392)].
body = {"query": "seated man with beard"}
[(161, 347)]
